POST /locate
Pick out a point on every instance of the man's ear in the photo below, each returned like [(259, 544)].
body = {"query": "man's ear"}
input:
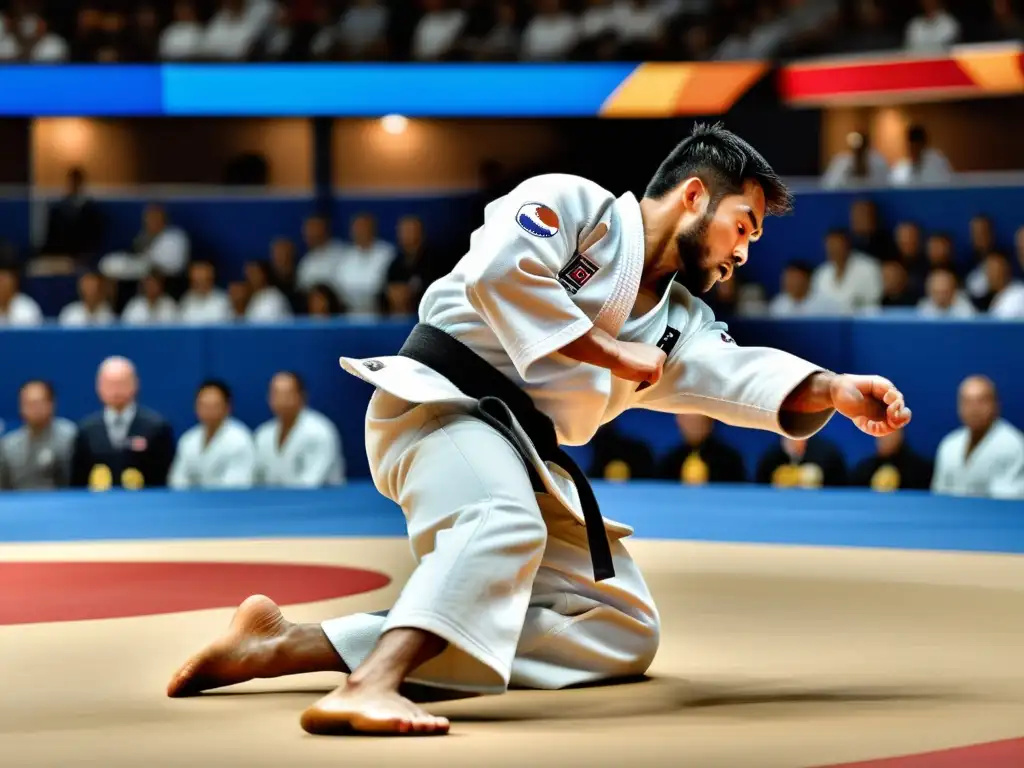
[(693, 196)]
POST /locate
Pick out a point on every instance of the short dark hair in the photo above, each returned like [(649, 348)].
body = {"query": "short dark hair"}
[(838, 232), (941, 236), (46, 385), (723, 161), (945, 270), (800, 266), (219, 385), (299, 383), (996, 254)]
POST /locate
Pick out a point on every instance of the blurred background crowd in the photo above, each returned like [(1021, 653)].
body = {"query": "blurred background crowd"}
[(209, 271), (491, 30)]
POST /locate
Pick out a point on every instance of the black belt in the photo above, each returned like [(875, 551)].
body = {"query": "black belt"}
[(500, 399)]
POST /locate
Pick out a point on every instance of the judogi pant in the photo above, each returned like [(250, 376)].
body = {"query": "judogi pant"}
[(503, 573)]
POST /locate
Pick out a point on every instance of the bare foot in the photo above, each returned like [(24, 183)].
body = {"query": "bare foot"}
[(355, 709), (259, 643)]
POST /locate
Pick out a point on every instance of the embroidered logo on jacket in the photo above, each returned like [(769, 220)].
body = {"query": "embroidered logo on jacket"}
[(373, 365), (577, 273), (538, 220)]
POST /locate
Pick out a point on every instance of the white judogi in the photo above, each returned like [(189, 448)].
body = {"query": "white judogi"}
[(509, 581), (995, 468), (228, 460), (310, 457)]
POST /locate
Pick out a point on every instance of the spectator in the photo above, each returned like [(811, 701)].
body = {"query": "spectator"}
[(894, 466), (184, 38), (858, 164), (438, 30), (37, 456), (159, 246), (1004, 25), (217, 453), (91, 308), (282, 271), (231, 33), (323, 255), (16, 309), (983, 242), (239, 294), (701, 458), (866, 233), (984, 457), (88, 34), (413, 268), (44, 46), (203, 303), (641, 21), (923, 165), (909, 245), (299, 447), (144, 36), (266, 303), (551, 34), (75, 224), (871, 31), (152, 306), (896, 288), (810, 463), (848, 279), (125, 445), (322, 302), (363, 28), (599, 18), (940, 253), (796, 299), (933, 31), (618, 458), (360, 279), (1006, 295), (501, 41), (943, 298)]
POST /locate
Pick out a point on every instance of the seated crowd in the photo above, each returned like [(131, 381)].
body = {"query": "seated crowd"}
[(488, 30), (126, 445)]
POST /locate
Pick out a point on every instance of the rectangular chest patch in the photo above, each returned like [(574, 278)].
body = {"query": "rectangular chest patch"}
[(577, 273), (666, 344)]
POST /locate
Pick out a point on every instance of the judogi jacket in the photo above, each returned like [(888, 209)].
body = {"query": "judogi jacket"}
[(228, 460), (524, 291), (994, 469)]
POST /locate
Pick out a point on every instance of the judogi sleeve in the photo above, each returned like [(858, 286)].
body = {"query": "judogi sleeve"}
[(177, 478), (1008, 476), (321, 465), (240, 472), (709, 373), (512, 274)]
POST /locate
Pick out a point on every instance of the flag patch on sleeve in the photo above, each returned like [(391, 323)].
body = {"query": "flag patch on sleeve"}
[(577, 273), (538, 220)]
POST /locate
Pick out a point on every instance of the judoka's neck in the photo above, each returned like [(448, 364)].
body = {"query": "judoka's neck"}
[(210, 430), (974, 437), (287, 425)]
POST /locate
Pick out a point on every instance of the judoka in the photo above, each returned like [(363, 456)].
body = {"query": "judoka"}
[(219, 451), (571, 306)]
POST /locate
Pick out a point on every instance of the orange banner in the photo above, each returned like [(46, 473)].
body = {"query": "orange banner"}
[(672, 90)]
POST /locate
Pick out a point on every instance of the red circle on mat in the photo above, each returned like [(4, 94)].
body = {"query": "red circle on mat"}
[(44, 591), (996, 754)]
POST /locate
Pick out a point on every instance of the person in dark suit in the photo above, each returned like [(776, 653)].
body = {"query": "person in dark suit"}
[(812, 463), (124, 445), (702, 458), (618, 458), (75, 226), (894, 466)]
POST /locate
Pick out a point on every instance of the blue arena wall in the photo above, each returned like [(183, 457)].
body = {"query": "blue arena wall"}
[(926, 359)]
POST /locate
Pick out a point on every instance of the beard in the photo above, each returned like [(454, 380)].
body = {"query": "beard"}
[(694, 273)]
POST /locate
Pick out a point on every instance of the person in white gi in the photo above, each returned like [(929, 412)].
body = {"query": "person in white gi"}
[(299, 447), (219, 451), (566, 298), (984, 457)]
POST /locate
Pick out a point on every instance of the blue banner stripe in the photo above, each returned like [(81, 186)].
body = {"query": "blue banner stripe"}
[(42, 90), (419, 90)]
